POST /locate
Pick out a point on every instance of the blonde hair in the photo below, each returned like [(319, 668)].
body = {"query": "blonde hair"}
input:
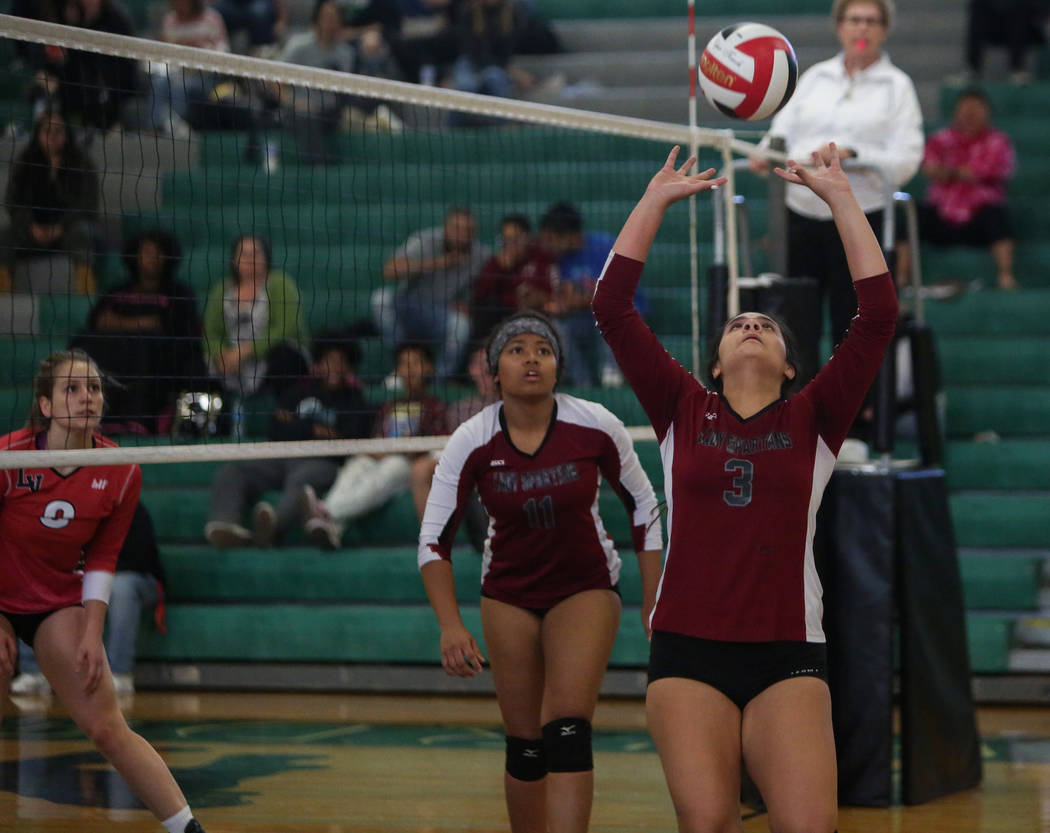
[(44, 383), (887, 7)]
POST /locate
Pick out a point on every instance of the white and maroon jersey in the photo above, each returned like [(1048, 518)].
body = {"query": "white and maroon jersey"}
[(742, 494), (546, 540), (55, 527)]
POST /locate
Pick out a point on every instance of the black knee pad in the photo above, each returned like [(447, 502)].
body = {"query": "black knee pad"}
[(525, 759), (568, 745)]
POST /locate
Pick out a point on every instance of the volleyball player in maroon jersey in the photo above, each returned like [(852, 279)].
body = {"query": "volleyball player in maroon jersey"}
[(737, 668), (550, 606), (55, 523)]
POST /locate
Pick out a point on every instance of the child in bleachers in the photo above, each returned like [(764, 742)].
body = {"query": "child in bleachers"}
[(327, 406), (367, 481)]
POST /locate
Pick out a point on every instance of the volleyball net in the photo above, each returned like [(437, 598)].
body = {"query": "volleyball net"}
[(194, 165)]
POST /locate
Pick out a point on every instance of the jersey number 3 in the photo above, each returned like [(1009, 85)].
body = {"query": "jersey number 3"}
[(740, 494)]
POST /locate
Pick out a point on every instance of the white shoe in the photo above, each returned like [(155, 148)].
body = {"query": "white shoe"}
[(323, 533), (123, 684), (310, 506), (853, 451), (264, 524), (224, 535), (31, 684), (612, 377)]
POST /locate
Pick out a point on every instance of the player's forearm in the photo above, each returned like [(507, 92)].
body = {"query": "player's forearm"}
[(638, 232), (863, 253), (441, 591), (95, 617)]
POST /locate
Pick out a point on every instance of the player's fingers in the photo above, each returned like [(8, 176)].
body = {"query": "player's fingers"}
[(687, 165), (672, 156)]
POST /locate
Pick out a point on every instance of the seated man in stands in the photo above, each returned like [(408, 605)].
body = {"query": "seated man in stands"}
[(427, 294), (367, 481), (328, 406), (313, 115), (579, 256), (52, 197)]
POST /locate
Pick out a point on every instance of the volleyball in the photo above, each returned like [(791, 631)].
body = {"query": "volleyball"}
[(748, 71)]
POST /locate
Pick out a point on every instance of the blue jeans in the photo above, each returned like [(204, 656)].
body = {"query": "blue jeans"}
[(404, 316), (173, 90), (131, 594)]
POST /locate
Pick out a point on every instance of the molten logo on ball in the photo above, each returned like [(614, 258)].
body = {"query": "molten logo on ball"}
[(748, 71)]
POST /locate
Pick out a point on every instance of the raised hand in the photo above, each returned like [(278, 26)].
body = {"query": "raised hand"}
[(825, 180), (671, 184)]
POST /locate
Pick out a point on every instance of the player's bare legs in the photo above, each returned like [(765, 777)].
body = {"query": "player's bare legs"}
[(789, 749), (8, 649), (696, 730), (512, 638), (578, 636), (99, 717)]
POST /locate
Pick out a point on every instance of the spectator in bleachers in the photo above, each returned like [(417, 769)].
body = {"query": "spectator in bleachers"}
[(485, 393), (146, 335), (517, 277), (579, 257), (370, 26), (254, 331), (367, 481), (262, 22), (1016, 24), (427, 294), (328, 406), (174, 89), (487, 39), (869, 108), (316, 114), (138, 585), (52, 197), (968, 164), (91, 88), (429, 40)]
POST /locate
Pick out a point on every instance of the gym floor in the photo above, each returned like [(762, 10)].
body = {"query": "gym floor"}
[(318, 763)]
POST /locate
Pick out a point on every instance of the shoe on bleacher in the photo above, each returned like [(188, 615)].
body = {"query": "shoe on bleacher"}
[(123, 684), (224, 535), (323, 533), (264, 524), (310, 506), (35, 683)]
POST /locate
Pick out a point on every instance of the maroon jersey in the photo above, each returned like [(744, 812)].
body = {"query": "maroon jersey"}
[(54, 528), (546, 540), (742, 494)]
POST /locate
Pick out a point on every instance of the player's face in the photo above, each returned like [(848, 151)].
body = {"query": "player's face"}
[(527, 366), (76, 397), (751, 337), (861, 29)]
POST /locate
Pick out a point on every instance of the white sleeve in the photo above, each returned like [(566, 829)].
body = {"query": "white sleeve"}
[(646, 529), (901, 152), (448, 492)]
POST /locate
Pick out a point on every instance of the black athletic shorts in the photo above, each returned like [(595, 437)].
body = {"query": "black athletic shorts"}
[(26, 624), (543, 611), (740, 670)]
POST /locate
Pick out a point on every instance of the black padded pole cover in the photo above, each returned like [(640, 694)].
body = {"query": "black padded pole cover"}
[(940, 748)]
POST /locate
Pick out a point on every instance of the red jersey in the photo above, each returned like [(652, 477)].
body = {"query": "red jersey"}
[(742, 494), (546, 540), (53, 528)]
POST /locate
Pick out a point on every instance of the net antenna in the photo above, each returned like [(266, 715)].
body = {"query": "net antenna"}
[(567, 160)]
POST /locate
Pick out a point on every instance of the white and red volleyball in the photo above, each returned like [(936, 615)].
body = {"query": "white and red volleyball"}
[(748, 71)]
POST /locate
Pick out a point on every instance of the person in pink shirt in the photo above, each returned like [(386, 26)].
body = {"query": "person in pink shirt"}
[(968, 164)]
